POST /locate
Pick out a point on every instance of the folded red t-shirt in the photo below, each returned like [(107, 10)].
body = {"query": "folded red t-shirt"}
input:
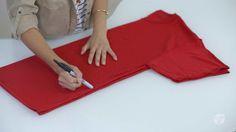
[(159, 41)]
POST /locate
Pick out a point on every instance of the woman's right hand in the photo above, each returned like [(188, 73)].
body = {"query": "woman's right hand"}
[(34, 40), (69, 82)]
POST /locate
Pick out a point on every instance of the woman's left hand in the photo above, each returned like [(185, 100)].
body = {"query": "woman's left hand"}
[(99, 46)]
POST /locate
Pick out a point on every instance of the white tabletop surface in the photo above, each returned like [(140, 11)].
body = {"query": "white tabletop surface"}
[(147, 102)]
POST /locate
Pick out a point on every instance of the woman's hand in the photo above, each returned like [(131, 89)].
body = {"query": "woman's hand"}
[(69, 82), (99, 46)]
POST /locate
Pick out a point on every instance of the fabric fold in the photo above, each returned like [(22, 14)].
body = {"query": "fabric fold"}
[(188, 63)]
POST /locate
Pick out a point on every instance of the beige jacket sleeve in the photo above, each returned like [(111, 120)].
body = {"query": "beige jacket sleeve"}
[(22, 14)]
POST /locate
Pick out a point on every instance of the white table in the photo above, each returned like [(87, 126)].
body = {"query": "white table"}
[(205, 105)]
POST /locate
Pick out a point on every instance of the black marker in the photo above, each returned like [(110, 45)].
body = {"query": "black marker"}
[(72, 73)]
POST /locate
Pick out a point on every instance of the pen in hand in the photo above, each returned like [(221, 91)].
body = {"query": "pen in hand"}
[(68, 69)]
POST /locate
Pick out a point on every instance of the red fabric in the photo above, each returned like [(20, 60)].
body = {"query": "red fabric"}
[(160, 41)]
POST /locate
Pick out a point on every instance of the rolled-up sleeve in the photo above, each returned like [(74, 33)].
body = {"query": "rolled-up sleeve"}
[(22, 14)]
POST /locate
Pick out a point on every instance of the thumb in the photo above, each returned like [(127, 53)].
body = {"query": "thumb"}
[(79, 74)]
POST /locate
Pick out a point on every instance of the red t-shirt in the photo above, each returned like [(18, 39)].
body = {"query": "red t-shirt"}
[(160, 41)]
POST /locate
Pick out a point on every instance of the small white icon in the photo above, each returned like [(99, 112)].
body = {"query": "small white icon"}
[(219, 119)]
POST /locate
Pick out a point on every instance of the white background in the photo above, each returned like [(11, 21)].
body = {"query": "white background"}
[(147, 102)]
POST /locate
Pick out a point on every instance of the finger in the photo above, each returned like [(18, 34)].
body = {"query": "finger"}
[(74, 86), (85, 48), (79, 79), (64, 85), (77, 71), (67, 78), (67, 86), (112, 53), (78, 76), (62, 79), (71, 85), (79, 83), (98, 56), (91, 55), (104, 56)]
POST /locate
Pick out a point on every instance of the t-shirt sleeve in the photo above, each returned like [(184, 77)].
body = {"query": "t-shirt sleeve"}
[(188, 63)]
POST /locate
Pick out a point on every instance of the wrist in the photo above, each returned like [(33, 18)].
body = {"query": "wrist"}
[(100, 32), (100, 27), (100, 24)]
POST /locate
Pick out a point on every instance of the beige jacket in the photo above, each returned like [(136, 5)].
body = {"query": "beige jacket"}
[(53, 18)]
